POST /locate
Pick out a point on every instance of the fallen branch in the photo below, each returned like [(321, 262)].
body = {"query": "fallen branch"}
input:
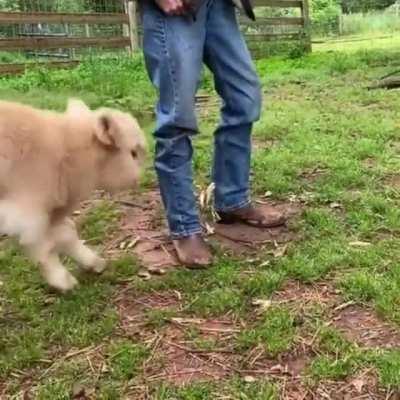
[(391, 74), (389, 83)]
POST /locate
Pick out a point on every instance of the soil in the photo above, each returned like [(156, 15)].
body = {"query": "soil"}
[(143, 226)]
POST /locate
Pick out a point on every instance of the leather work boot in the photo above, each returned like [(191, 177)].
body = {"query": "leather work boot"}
[(253, 216), (193, 252)]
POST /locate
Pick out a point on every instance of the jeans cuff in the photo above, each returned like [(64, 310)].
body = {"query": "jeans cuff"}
[(235, 207), (185, 233)]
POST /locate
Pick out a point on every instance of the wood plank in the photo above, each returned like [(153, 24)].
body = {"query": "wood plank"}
[(63, 42), (267, 37), (133, 25), (62, 18), (14, 69), (276, 21), (305, 13), (278, 3)]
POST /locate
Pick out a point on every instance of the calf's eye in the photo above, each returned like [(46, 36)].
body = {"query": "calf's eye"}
[(134, 153)]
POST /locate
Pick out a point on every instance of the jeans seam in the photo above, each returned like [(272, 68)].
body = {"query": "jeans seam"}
[(235, 207), (170, 67), (175, 96), (185, 233), (178, 200)]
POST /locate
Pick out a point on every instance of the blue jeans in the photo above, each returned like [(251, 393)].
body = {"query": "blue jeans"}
[(175, 48)]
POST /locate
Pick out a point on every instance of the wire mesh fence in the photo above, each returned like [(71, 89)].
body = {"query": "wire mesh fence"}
[(100, 6), (20, 32)]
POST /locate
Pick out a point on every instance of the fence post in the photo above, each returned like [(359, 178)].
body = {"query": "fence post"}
[(340, 23), (131, 10), (305, 13)]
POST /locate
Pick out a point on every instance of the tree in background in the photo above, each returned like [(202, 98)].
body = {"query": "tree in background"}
[(325, 16), (353, 6)]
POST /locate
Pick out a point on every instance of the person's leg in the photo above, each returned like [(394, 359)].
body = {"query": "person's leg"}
[(237, 83), (173, 50)]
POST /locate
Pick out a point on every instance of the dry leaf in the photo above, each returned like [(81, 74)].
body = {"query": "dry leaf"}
[(265, 263), (215, 215), (344, 305), (202, 199), (262, 304), (280, 251), (210, 193), (157, 270), (133, 243), (26, 396), (144, 274), (268, 194), (278, 368), (178, 295), (358, 384), (49, 300), (79, 392), (210, 230), (359, 244), (104, 368), (187, 321)]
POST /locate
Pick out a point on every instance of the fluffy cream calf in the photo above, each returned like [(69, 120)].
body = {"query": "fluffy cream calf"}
[(49, 163)]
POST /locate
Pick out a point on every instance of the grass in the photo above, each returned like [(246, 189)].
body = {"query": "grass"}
[(372, 22), (353, 43), (332, 145)]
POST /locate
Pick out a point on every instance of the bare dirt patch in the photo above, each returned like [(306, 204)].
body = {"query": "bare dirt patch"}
[(290, 365), (144, 227), (182, 362), (363, 326), (393, 181), (143, 231), (312, 174), (358, 324), (242, 239), (361, 387), (259, 143), (295, 292), (132, 309)]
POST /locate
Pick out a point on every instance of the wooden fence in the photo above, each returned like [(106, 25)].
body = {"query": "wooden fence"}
[(42, 43), (128, 32), (267, 31)]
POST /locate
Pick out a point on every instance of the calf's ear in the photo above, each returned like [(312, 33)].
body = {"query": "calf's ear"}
[(77, 107), (106, 130)]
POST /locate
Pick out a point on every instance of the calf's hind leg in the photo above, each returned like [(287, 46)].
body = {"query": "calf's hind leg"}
[(32, 227)]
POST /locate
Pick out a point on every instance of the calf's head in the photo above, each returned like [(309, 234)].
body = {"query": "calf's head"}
[(118, 143), (122, 145)]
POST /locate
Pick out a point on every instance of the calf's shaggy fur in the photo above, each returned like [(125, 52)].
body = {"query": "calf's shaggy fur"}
[(49, 163)]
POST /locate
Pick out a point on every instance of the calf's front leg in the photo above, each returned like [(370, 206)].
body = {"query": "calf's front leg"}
[(68, 242), (51, 268)]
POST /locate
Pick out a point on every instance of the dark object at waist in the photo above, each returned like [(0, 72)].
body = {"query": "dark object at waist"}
[(193, 7)]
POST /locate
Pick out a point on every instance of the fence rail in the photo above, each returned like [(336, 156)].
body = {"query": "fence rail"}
[(62, 42), (62, 18)]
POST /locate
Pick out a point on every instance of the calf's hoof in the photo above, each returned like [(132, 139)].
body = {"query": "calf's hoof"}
[(99, 265), (63, 282)]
